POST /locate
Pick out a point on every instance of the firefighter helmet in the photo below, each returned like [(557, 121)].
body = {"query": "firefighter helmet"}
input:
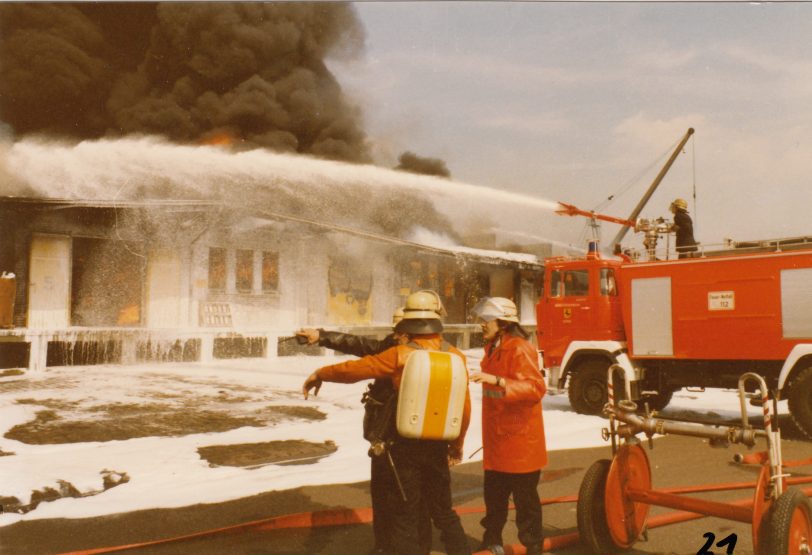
[(496, 308), (679, 203), (421, 314)]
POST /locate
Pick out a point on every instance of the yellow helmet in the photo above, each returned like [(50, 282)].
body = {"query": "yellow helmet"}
[(496, 308), (680, 203), (397, 316), (421, 314), (423, 304)]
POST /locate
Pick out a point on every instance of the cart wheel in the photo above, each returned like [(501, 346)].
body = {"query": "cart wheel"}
[(626, 518), (591, 509), (789, 526)]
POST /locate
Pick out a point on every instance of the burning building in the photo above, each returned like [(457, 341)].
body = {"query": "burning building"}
[(186, 261), (125, 247)]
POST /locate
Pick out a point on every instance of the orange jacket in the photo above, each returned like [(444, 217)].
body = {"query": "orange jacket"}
[(512, 423), (389, 364)]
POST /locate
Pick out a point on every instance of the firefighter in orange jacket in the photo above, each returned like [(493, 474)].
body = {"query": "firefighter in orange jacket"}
[(420, 468), (513, 444)]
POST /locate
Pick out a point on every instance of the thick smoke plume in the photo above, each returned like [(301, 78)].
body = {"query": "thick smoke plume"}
[(411, 162), (252, 74)]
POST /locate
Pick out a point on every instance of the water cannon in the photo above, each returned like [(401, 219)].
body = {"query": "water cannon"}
[(572, 210), (565, 209), (651, 228)]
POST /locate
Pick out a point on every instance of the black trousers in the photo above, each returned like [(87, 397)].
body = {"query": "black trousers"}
[(524, 487), (422, 469), (382, 515)]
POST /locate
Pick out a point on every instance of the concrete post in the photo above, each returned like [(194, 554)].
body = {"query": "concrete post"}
[(38, 353), (207, 347), (271, 349), (129, 342)]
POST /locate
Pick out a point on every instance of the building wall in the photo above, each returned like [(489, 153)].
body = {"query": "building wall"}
[(182, 316)]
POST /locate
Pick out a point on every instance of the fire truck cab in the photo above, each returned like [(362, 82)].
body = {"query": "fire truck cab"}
[(669, 324)]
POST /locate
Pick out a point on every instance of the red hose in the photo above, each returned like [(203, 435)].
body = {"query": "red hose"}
[(343, 517)]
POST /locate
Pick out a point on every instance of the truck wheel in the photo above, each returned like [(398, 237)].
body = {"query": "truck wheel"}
[(590, 511), (799, 396), (788, 525), (587, 388)]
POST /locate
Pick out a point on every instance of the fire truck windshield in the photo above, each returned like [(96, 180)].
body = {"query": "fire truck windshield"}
[(569, 283)]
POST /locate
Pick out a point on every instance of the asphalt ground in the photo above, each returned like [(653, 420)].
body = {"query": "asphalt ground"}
[(675, 461)]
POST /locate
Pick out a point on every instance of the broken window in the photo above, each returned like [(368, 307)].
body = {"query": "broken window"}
[(245, 271), (270, 272), (217, 269), (107, 282)]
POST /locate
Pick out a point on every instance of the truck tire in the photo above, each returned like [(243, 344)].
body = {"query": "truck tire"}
[(799, 397), (587, 386)]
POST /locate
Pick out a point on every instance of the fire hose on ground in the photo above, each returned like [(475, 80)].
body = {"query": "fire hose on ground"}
[(613, 501)]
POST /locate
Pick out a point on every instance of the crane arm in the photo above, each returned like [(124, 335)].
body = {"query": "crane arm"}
[(654, 184)]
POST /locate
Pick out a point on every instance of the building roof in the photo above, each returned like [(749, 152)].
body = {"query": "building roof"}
[(522, 260)]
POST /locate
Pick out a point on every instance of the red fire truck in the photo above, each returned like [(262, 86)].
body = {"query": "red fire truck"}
[(691, 322)]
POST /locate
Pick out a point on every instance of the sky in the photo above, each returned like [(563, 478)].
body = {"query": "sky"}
[(579, 102), (169, 472)]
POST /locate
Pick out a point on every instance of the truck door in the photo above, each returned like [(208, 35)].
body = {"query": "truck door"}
[(568, 311), (607, 317)]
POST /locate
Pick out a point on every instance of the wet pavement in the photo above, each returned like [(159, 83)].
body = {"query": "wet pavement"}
[(675, 461)]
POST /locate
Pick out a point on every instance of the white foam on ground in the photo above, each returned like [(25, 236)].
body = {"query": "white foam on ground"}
[(168, 472)]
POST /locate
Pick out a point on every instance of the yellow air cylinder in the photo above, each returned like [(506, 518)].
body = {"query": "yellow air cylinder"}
[(431, 397)]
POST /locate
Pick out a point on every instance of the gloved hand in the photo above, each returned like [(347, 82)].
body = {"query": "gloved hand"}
[(310, 335), (454, 455), (312, 381)]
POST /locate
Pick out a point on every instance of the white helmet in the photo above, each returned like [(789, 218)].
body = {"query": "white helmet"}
[(397, 316), (421, 314), (496, 308)]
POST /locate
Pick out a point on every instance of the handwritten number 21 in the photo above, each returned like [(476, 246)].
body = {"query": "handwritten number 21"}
[(729, 541)]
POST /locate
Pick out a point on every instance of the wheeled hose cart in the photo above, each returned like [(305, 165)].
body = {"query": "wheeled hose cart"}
[(615, 495)]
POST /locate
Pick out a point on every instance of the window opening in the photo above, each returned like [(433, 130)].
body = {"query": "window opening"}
[(245, 271), (217, 268), (270, 271), (576, 283), (608, 284), (556, 285)]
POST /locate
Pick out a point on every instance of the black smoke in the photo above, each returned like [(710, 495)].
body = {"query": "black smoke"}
[(411, 162), (186, 71)]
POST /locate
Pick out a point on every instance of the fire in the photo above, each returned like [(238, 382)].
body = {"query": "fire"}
[(218, 138)]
